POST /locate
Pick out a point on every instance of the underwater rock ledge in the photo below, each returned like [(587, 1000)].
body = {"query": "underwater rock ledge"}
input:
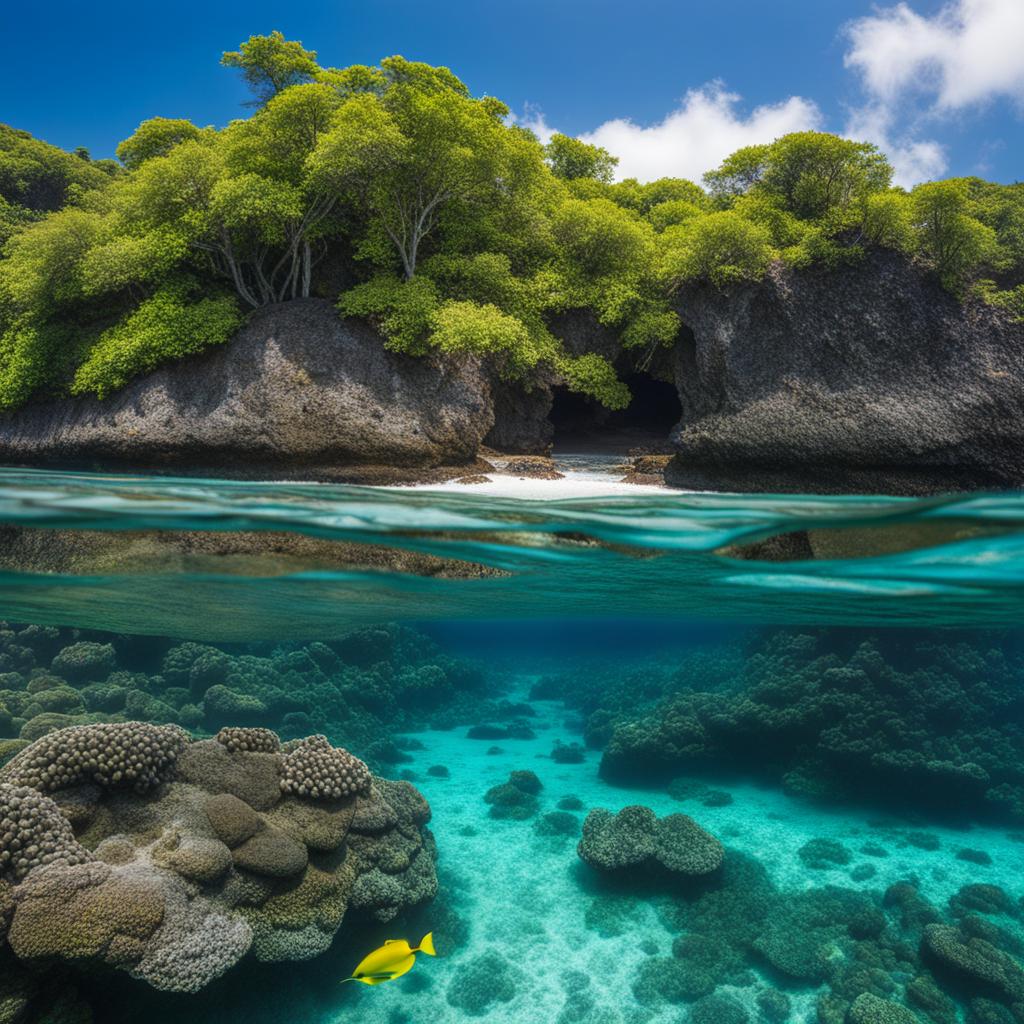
[(133, 847)]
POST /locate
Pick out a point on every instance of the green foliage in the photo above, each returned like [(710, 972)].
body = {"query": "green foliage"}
[(482, 330), (168, 325), (269, 64), (44, 265), (402, 310), (598, 238), (570, 159), (1010, 299), (888, 220), (722, 247), (738, 173), (155, 137), (592, 374), (13, 218), (817, 248), (672, 212), (955, 243), (40, 177), (816, 176), (424, 164), (30, 357)]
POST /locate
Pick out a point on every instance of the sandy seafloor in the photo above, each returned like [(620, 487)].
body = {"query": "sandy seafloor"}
[(525, 895)]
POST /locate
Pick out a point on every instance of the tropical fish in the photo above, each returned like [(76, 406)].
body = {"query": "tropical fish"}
[(391, 960)]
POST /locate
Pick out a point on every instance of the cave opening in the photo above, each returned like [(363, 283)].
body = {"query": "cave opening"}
[(582, 424)]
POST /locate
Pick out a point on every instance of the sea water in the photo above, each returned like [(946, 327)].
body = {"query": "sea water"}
[(580, 618)]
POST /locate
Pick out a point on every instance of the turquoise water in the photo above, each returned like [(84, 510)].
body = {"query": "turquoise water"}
[(832, 687)]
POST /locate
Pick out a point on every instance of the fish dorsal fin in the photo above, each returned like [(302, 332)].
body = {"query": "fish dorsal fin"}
[(390, 942)]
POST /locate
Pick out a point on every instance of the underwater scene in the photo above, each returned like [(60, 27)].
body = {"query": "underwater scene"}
[(629, 757)]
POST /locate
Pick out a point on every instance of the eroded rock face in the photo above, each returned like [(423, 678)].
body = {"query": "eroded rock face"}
[(176, 881), (870, 378), (297, 390)]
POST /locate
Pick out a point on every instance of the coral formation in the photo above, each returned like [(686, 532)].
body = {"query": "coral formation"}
[(118, 754), (359, 691), (829, 713), (130, 845), (315, 769), (635, 839), (515, 799), (33, 832)]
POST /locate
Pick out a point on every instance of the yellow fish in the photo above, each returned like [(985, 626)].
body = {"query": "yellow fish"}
[(391, 961)]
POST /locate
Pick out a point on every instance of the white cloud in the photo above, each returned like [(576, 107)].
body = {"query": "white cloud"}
[(968, 53), (915, 72), (705, 128), (913, 160), (918, 70), (533, 118)]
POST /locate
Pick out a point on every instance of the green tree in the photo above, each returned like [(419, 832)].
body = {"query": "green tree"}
[(598, 238), (816, 176), (738, 172), (270, 64), (722, 248), (953, 241), (424, 158), (155, 137), (571, 158), (41, 177), (888, 220)]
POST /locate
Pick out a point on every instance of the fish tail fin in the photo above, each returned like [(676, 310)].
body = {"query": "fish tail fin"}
[(427, 944)]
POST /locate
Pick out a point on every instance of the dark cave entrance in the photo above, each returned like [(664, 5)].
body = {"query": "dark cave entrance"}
[(584, 425)]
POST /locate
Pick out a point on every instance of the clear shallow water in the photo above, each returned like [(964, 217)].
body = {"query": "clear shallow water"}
[(941, 561), (858, 683)]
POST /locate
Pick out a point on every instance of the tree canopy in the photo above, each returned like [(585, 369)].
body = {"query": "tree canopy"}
[(407, 200)]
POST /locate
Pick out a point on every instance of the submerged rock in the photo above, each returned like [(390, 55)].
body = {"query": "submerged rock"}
[(191, 854)]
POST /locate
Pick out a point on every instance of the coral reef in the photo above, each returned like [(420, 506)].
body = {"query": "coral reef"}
[(133, 846), (831, 714), (358, 691), (869, 957)]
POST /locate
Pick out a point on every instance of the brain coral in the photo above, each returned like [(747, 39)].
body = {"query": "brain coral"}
[(315, 769), (122, 754)]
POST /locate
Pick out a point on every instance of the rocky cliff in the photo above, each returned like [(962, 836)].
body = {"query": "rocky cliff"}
[(869, 378), (297, 392)]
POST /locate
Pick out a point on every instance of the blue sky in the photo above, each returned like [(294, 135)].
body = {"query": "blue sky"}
[(671, 86)]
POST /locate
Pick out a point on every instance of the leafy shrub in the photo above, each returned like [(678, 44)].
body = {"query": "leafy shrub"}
[(402, 310), (483, 330), (721, 248), (167, 326), (593, 375)]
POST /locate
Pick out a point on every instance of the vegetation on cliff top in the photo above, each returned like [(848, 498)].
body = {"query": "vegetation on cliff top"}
[(407, 200)]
